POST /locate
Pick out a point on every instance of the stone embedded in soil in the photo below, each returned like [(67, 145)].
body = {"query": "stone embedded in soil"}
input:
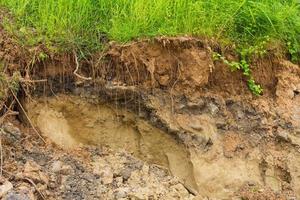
[(33, 171), (5, 188), (295, 140), (61, 168), (272, 181), (283, 136), (31, 166), (10, 133), (201, 128), (10, 128), (17, 196), (56, 166), (103, 169), (121, 193)]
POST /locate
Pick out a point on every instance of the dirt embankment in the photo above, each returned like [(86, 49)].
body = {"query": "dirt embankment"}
[(239, 145)]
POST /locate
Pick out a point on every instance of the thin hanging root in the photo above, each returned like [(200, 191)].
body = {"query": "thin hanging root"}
[(176, 81), (1, 157), (8, 113), (33, 81), (77, 68), (31, 124)]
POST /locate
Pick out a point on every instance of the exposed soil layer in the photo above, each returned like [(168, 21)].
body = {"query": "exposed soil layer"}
[(71, 121), (237, 145)]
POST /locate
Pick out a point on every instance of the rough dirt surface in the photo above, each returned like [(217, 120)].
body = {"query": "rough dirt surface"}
[(44, 171), (239, 146)]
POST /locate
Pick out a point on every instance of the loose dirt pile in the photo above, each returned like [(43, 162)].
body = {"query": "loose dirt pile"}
[(33, 170)]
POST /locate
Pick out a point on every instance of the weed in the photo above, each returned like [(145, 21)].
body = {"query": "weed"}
[(254, 87), (244, 67)]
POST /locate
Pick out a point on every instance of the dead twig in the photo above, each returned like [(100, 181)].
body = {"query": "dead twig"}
[(77, 68), (34, 185), (33, 81), (31, 124)]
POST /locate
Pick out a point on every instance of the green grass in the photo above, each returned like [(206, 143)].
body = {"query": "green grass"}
[(84, 23)]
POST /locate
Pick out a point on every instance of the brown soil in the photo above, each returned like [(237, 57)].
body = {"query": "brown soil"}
[(237, 146)]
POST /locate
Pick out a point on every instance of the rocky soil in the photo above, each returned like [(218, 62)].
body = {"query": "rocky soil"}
[(33, 170)]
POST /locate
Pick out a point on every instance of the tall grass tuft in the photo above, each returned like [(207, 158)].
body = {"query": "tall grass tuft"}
[(83, 23)]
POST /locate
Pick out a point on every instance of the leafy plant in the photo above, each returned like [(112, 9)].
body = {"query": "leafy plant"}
[(245, 68), (254, 87)]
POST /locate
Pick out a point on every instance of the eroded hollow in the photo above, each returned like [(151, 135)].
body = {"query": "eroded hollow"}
[(70, 121)]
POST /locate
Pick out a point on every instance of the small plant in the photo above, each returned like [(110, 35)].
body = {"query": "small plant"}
[(294, 51), (245, 68), (254, 87)]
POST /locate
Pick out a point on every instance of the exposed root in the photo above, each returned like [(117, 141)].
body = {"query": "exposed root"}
[(77, 68), (27, 117), (9, 112), (1, 156), (34, 185)]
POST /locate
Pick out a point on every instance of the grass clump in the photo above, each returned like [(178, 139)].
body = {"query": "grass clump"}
[(83, 23)]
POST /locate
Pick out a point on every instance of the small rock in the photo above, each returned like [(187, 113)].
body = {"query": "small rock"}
[(145, 169), (283, 136), (31, 166), (213, 108), (272, 181), (180, 189), (102, 169), (251, 183), (295, 140), (59, 167), (119, 181), (13, 130), (5, 188), (164, 80), (196, 126), (126, 173), (66, 170), (240, 114), (192, 105), (23, 193), (16, 196), (121, 193), (43, 178), (56, 166), (107, 176), (10, 133), (89, 177)]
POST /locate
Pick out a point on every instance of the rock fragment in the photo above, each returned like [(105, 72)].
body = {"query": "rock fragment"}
[(5, 188)]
